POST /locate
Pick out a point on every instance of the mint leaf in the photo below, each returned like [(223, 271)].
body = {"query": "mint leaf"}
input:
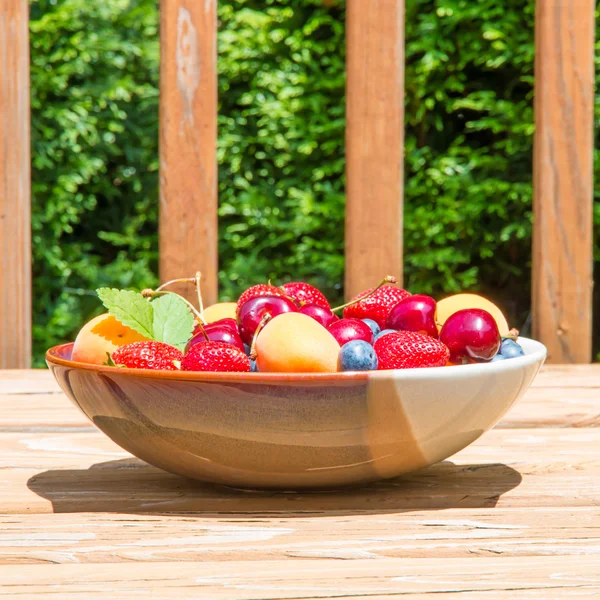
[(173, 321), (129, 308)]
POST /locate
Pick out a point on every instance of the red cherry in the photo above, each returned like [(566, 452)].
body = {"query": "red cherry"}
[(471, 333), (252, 312), (319, 313), (225, 323), (224, 330), (415, 313), (346, 330)]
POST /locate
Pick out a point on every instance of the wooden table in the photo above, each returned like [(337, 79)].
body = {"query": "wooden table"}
[(515, 515)]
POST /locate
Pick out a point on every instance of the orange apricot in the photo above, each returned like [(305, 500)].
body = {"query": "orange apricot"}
[(221, 310), (101, 335), (296, 343)]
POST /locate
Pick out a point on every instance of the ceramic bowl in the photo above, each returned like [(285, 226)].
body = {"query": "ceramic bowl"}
[(292, 431)]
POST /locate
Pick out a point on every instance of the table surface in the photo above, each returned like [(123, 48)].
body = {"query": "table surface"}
[(515, 515)]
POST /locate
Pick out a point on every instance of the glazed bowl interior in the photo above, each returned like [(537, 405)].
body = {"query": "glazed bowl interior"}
[(293, 431)]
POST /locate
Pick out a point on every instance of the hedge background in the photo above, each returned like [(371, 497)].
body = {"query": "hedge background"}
[(469, 138)]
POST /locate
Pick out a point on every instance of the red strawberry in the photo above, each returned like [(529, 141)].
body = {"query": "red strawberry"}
[(304, 293), (376, 306), (410, 350), (215, 356), (148, 355), (262, 289)]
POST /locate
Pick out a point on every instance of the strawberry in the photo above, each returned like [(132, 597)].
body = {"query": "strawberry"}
[(148, 355), (410, 350), (377, 306), (262, 289), (215, 356), (304, 293)]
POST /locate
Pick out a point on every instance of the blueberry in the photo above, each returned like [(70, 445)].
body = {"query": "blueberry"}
[(253, 366), (382, 333), (247, 349), (374, 327), (357, 355), (498, 357), (510, 349)]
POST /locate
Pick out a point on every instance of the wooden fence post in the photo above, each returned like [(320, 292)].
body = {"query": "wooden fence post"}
[(15, 187), (188, 137), (563, 179), (374, 141)]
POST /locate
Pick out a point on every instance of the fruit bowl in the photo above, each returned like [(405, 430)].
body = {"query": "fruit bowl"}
[(293, 431)]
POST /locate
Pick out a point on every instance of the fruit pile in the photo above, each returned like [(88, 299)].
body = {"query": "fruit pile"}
[(293, 329)]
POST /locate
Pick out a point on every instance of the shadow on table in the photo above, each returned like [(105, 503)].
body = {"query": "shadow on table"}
[(132, 486)]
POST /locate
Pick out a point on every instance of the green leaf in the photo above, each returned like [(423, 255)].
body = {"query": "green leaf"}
[(129, 308), (109, 362), (173, 321)]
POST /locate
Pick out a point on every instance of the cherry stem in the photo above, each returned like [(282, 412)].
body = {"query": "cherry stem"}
[(513, 334), (201, 325), (181, 280), (266, 318), (154, 293), (199, 293), (388, 279)]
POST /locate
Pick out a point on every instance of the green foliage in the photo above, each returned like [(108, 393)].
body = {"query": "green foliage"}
[(94, 98), (469, 133)]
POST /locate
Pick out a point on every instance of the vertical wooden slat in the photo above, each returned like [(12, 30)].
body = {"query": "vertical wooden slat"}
[(374, 141), (15, 228), (188, 135), (563, 178)]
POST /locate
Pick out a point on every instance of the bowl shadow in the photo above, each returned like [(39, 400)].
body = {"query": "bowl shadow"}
[(133, 487)]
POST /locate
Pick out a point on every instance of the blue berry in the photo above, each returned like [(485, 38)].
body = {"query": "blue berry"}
[(382, 333), (498, 357), (510, 349), (357, 355), (247, 349), (374, 327), (253, 366)]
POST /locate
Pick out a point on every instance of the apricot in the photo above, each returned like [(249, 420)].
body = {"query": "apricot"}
[(296, 343), (101, 335), (221, 310), (448, 306)]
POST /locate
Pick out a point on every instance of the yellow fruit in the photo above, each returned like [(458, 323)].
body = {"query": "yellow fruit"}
[(101, 335), (222, 310), (448, 306), (296, 343)]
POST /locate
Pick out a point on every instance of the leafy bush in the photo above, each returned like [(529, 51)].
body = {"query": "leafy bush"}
[(469, 136)]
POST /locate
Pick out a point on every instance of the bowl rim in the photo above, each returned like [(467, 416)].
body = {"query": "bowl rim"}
[(534, 352)]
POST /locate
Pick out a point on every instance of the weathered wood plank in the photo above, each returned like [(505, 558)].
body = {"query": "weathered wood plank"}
[(374, 142), (86, 472), (545, 577), (188, 137), (114, 538), (15, 187), (563, 179), (27, 381)]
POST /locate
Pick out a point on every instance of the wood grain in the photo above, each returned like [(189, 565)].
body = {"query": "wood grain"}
[(544, 577), (115, 538), (86, 472), (15, 187), (563, 179), (374, 142), (513, 516), (188, 137)]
